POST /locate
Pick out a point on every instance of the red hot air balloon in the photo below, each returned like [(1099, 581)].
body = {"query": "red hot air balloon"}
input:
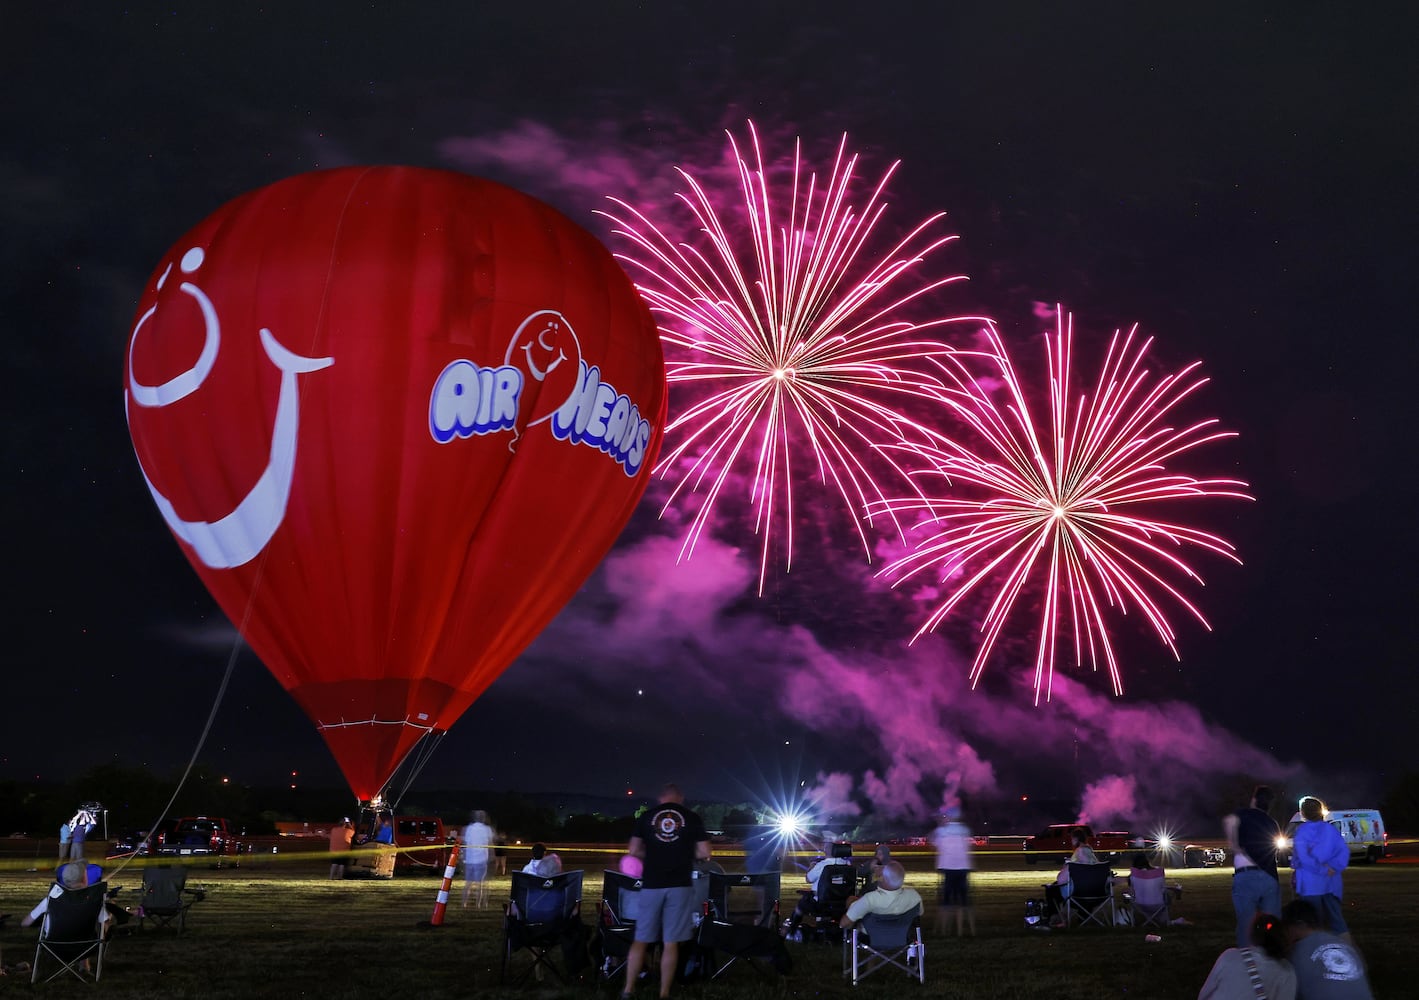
[(395, 417)]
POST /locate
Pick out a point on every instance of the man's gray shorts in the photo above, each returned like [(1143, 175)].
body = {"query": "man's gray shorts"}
[(665, 914)]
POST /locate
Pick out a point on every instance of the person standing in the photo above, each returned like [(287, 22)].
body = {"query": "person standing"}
[(64, 835), (1318, 855), (1256, 887), (342, 839), (668, 839), (477, 840), (1327, 968), (953, 863), (79, 828)]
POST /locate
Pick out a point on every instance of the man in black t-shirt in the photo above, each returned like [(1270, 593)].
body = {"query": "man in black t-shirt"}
[(668, 838), (1256, 887)]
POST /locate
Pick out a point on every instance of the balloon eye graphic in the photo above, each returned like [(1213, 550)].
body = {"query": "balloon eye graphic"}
[(241, 534)]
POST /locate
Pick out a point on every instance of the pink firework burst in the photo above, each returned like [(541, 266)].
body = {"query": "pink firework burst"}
[(786, 340), (1064, 503)]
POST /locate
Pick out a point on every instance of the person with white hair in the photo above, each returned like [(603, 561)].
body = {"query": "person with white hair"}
[(891, 897)]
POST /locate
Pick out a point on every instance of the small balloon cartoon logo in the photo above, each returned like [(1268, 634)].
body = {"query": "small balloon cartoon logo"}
[(546, 350)]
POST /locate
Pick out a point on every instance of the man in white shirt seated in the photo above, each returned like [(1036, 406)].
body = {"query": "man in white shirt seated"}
[(72, 877), (834, 853), (891, 898)]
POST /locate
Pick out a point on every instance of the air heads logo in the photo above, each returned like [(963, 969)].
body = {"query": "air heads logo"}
[(469, 399), (239, 535)]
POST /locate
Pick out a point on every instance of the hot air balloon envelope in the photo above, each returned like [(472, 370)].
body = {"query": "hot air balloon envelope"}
[(395, 417)]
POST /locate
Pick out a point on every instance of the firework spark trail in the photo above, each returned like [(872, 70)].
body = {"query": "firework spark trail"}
[(789, 339), (1062, 506)]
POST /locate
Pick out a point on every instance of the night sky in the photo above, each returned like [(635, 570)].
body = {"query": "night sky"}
[(1240, 182)]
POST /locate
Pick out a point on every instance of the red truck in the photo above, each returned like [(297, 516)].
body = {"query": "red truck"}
[(201, 837), (1054, 844)]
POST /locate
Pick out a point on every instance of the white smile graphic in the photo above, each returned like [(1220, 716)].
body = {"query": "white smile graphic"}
[(553, 324), (240, 536)]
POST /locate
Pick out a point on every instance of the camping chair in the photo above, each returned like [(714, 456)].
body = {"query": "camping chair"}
[(836, 885), (543, 914), (70, 933), (1148, 899), (742, 923), (878, 941), (166, 898), (1091, 895), (615, 924)]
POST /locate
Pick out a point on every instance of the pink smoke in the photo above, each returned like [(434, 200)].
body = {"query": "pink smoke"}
[(1109, 799)]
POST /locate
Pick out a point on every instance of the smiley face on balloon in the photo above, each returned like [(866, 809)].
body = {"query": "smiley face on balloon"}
[(239, 533)]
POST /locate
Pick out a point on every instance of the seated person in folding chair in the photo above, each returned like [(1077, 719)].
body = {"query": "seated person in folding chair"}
[(1056, 893), (668, 839), (809, 900), (72, 876), (869, 874), (891, 898), (1151, 895), (544, 862), (899, 940)]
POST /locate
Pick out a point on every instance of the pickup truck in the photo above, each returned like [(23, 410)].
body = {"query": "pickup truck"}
[(200, 836), (1053, 844)]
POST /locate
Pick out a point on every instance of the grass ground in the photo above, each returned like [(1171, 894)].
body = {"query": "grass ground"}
[(280, 928)]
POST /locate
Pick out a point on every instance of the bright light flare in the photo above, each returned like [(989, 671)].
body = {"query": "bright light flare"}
[(1063, 505), (1165, 842), (786, 341), (790, 825)]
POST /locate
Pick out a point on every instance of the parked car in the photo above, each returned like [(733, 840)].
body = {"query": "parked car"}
[(423, 844), (130, 842), (201, 836), (1054, 843), (1195, 856)]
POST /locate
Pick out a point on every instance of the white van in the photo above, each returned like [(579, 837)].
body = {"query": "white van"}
[(1363, 830)]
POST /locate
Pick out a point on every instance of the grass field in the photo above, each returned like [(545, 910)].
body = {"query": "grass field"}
[(277, 927)]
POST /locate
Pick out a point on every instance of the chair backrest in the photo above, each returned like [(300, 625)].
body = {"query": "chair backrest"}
[(73, 915), (1148, 887), (162, 887), (618, 892), (1090, 881), (546, 899), (890, 931), (836, 884), (745, 898)]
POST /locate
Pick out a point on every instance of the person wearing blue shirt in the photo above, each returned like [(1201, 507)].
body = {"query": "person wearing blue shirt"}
[(1318, 855)]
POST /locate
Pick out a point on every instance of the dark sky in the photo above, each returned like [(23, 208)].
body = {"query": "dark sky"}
[(1239, 181)]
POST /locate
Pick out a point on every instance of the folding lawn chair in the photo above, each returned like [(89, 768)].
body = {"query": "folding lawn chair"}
[(615, 924), (742, 923), (836, 885), (1148, 899), (543, 917), (70, 934), (1091, 896), (166, 898), (878, 941)]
